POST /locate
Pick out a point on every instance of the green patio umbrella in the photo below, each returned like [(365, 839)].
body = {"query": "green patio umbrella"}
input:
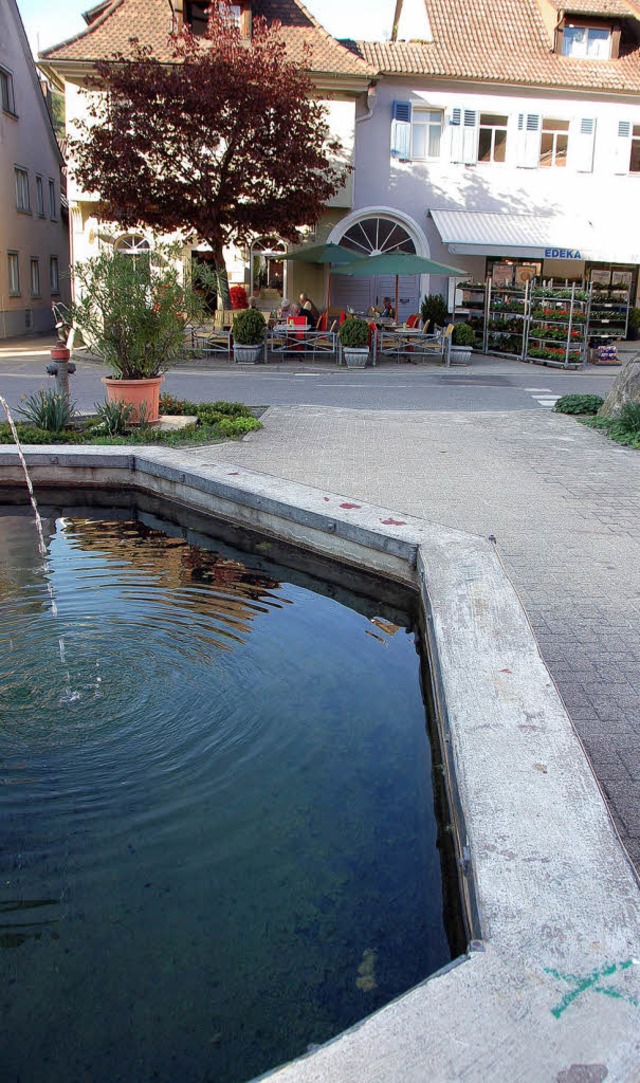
[(329, 254), (399, 263)]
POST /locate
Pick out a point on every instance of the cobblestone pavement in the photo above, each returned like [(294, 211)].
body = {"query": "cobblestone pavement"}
[(564, 505)]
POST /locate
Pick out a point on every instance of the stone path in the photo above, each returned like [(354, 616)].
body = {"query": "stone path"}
[(564, 506)]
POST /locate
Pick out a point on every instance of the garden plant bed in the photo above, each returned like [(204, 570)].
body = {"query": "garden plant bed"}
[(214, 422)]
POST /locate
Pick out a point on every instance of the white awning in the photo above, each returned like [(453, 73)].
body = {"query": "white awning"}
[(514, 235)]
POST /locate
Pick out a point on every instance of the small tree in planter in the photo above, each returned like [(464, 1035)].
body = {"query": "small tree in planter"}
[(434, 309), (133, 312), (354, 337), (462, 342), (248, 335)]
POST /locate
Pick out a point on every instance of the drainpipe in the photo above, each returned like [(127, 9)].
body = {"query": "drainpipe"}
[(372, 90)]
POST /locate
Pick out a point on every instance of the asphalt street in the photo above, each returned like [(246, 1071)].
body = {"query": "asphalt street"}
[(489, 384)]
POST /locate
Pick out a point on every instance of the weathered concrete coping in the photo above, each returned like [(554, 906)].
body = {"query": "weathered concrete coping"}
[(550, 989)]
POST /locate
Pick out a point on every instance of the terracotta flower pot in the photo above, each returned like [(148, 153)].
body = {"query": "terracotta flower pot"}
[(60, 353), (143, 394)]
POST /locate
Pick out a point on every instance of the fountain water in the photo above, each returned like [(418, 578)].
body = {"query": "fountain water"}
[(68, 696)]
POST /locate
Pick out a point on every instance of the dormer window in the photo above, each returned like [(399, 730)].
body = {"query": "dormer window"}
[(586, 42), (196, 15)]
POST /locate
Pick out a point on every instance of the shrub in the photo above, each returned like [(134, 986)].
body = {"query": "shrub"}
[(463, 335), (634, 319), (114, 417), (28, 434), (48, 410), (354, 333), (133, 311), (249, 327), (578, 404), (233, 427), (434, 308), (169, 404), (239, 298)]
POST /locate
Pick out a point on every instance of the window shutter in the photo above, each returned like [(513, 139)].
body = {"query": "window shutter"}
[(470, 137), (622, 147), (529, 127), (401, 130), (583, 145), (464, 136)]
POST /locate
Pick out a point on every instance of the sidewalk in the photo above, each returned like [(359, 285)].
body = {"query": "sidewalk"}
[(564, 506)]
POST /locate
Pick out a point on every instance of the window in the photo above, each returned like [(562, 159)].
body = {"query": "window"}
[(426, 133), (132, 244), (492, 140), (588, 42), (634, 160), (35, 277), (554, 142), (54, 275), (7, 100), (40, 196), (23, 196), (53, 210), (197, 17), (14, 274)]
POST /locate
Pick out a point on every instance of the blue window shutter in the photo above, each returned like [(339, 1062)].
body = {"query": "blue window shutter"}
[(401, 130), (470, 137)]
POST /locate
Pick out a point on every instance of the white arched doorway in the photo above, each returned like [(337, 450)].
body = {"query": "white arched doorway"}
[(369, 232)]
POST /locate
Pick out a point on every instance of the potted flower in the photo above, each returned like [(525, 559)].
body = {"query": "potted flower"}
[(248, 335), (434, 309), (462, 342), (133, 311), (354, 338)]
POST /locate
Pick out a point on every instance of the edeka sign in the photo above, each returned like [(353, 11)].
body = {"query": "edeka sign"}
[(562, 253)]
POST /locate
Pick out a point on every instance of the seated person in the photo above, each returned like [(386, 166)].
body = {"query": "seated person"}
[(388, 311), (309, 310), (285, 309)]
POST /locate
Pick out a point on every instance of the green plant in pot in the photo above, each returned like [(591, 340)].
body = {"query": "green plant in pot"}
[(434, 309), (132, 311), (462, 342), (633, 332), (248, 335), (354, 338)]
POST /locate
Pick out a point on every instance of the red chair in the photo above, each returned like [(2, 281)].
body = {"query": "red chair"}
[(299, 325), (413, 320), (322, 322)]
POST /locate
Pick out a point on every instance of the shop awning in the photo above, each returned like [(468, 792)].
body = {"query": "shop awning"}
[(524, 236), (528, 236)]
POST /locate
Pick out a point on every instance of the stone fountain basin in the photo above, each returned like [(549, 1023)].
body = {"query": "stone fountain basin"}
[(550, 986)]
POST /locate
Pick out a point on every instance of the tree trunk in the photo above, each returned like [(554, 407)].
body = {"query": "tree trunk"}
[(626, 388), (224, 297)]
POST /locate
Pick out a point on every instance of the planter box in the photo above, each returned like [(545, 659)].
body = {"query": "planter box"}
[(356, 359), (461, 355), (247, 355)]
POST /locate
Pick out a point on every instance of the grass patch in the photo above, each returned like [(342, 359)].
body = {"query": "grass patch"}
[(623, 429), (215, 422)]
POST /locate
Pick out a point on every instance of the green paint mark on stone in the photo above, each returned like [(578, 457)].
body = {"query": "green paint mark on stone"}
[(590, 982)]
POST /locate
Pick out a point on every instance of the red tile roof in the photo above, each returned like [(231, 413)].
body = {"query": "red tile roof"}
[(500, 41), (621, 8), (151, 22)]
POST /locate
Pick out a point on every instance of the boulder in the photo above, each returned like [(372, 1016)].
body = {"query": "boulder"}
[(625, 389)]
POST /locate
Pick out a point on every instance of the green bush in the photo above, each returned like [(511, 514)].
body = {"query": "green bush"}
[(579, 404), (28, 434), (133, 311), (249, 327), (354, 333), (233, 427), (434, 308), (463, 335), (634, 319), (48, 410)]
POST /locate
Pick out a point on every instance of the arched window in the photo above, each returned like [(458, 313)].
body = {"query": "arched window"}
[(132, 244), (371, 236)]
